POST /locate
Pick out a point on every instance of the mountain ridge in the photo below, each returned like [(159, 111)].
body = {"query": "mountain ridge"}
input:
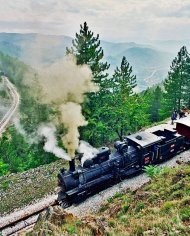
[(38, 49)]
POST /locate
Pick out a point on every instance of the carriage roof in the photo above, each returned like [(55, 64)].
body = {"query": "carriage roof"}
[(144, 139), (184, 121)]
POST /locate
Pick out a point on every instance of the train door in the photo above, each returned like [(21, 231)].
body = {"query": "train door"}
[(148, 156)]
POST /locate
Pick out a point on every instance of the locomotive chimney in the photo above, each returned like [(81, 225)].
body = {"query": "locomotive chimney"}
[(72, 165)]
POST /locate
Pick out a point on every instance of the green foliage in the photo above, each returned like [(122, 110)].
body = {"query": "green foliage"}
[(177, 83), (111, 113), (87, 50), (71, 229), (185, 213), (139, 206), (5, 185), (17, 155), (152, 171), (122, 80), (4, 168), (117, 110), (168, 206), (125, 208), (153, 98)]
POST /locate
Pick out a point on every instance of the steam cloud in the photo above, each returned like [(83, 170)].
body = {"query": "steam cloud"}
[(65, 84), (48, 131), (87, 150)]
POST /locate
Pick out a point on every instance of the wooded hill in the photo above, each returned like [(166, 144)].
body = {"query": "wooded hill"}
[(113, 112)]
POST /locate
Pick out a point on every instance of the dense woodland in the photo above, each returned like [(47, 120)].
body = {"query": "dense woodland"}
[(116, 110)]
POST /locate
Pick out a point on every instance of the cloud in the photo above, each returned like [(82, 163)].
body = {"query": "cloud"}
[(114, 20)]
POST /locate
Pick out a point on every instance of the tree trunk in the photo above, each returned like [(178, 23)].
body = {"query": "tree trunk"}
[(120, 134)]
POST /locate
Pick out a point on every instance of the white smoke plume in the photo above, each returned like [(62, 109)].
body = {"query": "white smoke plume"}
[(65, 84), (48, 131), (87, 150), (29, 138)]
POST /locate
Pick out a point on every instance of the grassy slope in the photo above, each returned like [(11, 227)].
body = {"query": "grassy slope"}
[(19, 190), (161, 207)]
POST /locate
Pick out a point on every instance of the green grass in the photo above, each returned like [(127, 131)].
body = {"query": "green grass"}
[(21, 189), (161, 207)]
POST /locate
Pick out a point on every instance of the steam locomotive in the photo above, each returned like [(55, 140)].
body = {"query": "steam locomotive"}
[(130, 156)]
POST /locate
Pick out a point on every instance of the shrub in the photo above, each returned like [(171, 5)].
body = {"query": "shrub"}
[(168, 206), (118, 195), (152, 171), (139, 206), (125, 208), (71, 229), (185, 213), (4, 168)]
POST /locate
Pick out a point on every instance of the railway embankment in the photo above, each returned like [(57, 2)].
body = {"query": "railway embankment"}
[(38, 185), (27, 190), (159, 207), (21, 189)]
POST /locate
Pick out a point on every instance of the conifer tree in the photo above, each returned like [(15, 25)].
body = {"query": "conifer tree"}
[(123, 80), (176, 82), (87, 50), (187, 90), (155, 107)]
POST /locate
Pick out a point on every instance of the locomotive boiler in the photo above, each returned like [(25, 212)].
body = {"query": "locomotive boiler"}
[(106, 168)]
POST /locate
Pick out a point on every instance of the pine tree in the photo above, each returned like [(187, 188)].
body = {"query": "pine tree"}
[(156, 104), (123, 80), (87, 50), (187, 91), (176, 83)]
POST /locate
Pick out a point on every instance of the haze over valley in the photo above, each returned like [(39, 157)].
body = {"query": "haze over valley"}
[(150, 60)]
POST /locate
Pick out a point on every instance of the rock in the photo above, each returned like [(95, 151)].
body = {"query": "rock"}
[(179, 162), (50, 221), (55, 221)]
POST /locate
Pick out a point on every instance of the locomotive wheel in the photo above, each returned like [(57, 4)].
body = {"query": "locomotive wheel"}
[(65, 204)]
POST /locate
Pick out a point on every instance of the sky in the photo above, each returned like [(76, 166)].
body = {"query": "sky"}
[(114, 20)]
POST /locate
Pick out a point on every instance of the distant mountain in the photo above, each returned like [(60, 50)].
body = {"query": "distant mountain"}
[(172, 46), (34, 49), (150, 61), (150, 65)]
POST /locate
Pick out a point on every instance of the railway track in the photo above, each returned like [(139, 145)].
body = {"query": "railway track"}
[(25, 218), (15, 103)]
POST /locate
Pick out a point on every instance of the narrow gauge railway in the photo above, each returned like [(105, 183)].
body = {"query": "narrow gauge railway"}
[(25, 218), (130, 157)]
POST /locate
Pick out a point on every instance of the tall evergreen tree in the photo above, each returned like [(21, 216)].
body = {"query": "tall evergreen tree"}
[(87, 50), (155, 103), (187, 90), (123, 80), (175, 84)]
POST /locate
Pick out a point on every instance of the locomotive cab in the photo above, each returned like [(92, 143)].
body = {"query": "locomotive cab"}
[(147, 146)]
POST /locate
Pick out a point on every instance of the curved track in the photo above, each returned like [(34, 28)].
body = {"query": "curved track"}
[(15, 103)]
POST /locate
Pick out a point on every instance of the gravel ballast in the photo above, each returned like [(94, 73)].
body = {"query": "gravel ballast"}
[(93, 204)]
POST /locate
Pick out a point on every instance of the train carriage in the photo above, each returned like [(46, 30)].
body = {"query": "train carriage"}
[(130, 156), (183, 128)]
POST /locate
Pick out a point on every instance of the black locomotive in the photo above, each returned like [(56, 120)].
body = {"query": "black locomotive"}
[(106, 168)]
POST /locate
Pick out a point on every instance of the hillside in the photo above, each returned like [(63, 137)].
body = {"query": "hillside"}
[(34, 49), (150, 65), (148, 60), (161, 207)]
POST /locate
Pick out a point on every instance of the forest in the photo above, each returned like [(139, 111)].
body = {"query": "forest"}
[(112, 112)]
